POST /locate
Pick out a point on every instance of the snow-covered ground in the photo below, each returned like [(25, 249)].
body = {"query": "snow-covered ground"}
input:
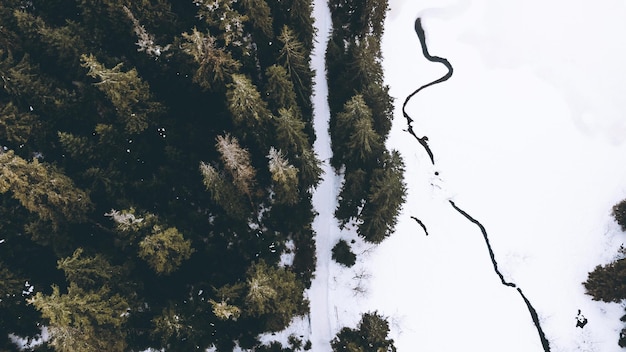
[(528, 137)]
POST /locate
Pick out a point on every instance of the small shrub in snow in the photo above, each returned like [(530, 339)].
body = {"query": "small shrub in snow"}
[(343, 255), (619, 213)]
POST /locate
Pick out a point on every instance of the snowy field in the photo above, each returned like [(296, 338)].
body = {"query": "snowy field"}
[(529, 138)]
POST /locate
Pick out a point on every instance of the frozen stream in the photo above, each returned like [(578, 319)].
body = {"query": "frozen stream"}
[(528, 137)]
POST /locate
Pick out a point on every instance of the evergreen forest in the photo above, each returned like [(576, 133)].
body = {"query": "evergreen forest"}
[(157, 167)]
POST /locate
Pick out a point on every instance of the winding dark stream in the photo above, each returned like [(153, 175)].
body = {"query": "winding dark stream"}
[(424, 142)]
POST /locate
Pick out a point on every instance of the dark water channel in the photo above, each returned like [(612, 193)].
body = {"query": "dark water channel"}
[(423, 141)]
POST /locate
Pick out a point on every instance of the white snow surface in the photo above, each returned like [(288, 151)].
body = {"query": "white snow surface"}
[(529, 138)]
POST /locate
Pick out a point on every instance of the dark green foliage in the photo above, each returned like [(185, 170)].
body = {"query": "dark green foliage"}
[(342, 254), (166, 110), (619, 214), (370, 335), (361, 113), (274, 294), (607, 283), (384, 200)]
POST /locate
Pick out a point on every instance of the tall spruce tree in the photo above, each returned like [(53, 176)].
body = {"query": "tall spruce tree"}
[(385, 198)]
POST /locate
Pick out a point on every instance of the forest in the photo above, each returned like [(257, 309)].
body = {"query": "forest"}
[(157, 168)]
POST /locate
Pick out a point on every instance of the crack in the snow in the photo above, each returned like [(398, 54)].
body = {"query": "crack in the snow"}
[(491, 253), (421, 224), (424, 142), (409, 121)]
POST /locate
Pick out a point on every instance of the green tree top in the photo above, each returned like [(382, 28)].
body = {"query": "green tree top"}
[(43, 190), (128, 93)]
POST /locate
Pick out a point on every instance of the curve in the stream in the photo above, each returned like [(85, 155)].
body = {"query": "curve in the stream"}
[(424, 142), (419, 222), (409, 121)]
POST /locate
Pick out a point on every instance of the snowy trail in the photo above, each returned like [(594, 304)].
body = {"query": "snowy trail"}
[(324, 198)]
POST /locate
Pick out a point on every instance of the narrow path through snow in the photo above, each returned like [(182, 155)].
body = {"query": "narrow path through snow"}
[(324, 198)]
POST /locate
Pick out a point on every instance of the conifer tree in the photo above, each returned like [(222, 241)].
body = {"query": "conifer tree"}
[(363, 142), (237, 162), (215, 65), (88, 272), (62, 43), (223, 16), (223, 192), (83, 320), (290, 131), (310, 168), (285, 177), (16, 126), (608, 283), (165, 250), (342, 129), (245, 103), (225, 311), (170, 324), (619, 214), (145, 40), (279, 89), (42, 190), (352, 196), (385, 198), (128, 93), (294, 58), (371, 335), (78, 147), (275, 293), (259, 14)]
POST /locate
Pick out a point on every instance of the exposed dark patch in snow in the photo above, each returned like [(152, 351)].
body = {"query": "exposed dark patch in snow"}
[(409, 121), (424, 142), (421, 224)]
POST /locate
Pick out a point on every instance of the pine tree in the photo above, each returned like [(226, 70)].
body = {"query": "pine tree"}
[(274, 293), (619, 214), (285, 177), (223, 192), (165, 250), (215, 65), (10, 286), (295, 59), (225, 311), (222, 15), (62, 43), (83, 320), (170, 324), (608, 283), (16, 126), (279, 89), (245, 103), (42, 190), (352, 196), (290, 131), (363, 142), (88, 272), (371, 335), (342, 129), (385, 198), (128, 93), (145, 40), (77, 147), (259, 14), (237, 162), (310, 168)]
